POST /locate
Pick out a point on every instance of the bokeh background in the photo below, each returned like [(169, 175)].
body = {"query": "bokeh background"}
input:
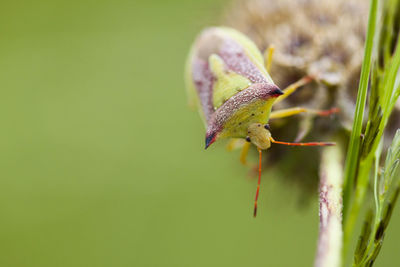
[(101, 161)]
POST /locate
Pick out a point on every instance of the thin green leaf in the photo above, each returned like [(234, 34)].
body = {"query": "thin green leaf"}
[(353, 149)]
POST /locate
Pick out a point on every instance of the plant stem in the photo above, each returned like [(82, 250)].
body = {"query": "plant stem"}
[(330, 209)]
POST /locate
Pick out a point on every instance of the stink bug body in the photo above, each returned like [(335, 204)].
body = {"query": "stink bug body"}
[(227, 78)]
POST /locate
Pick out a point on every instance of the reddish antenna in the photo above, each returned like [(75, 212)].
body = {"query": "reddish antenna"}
[(281, 143), (259, 181), (303, 144)]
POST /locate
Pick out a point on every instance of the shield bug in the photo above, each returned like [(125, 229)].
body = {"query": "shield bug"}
[(227, 78)]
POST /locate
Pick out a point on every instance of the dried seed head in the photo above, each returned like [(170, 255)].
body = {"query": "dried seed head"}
[(306, 32), (321, 38)]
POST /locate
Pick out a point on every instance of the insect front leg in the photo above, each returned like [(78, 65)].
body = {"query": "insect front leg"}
[(244, 153), (268, 55), (293, 87), (235, 143), (293, 111)]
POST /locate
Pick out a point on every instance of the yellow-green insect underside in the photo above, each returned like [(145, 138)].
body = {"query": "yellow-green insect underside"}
[(256, 112)]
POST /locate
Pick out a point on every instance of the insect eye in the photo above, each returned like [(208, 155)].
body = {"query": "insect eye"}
[(248, 139), (266, 126)]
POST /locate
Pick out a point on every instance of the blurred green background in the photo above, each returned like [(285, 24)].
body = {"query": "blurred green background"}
[(102, 163)]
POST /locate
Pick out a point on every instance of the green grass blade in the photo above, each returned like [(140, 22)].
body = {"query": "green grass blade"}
[(354, 146)]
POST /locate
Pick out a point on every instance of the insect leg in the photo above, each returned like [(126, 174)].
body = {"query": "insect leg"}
[(293, 111), (268, 54), (293, 87), (235, 143), (244, 152)]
